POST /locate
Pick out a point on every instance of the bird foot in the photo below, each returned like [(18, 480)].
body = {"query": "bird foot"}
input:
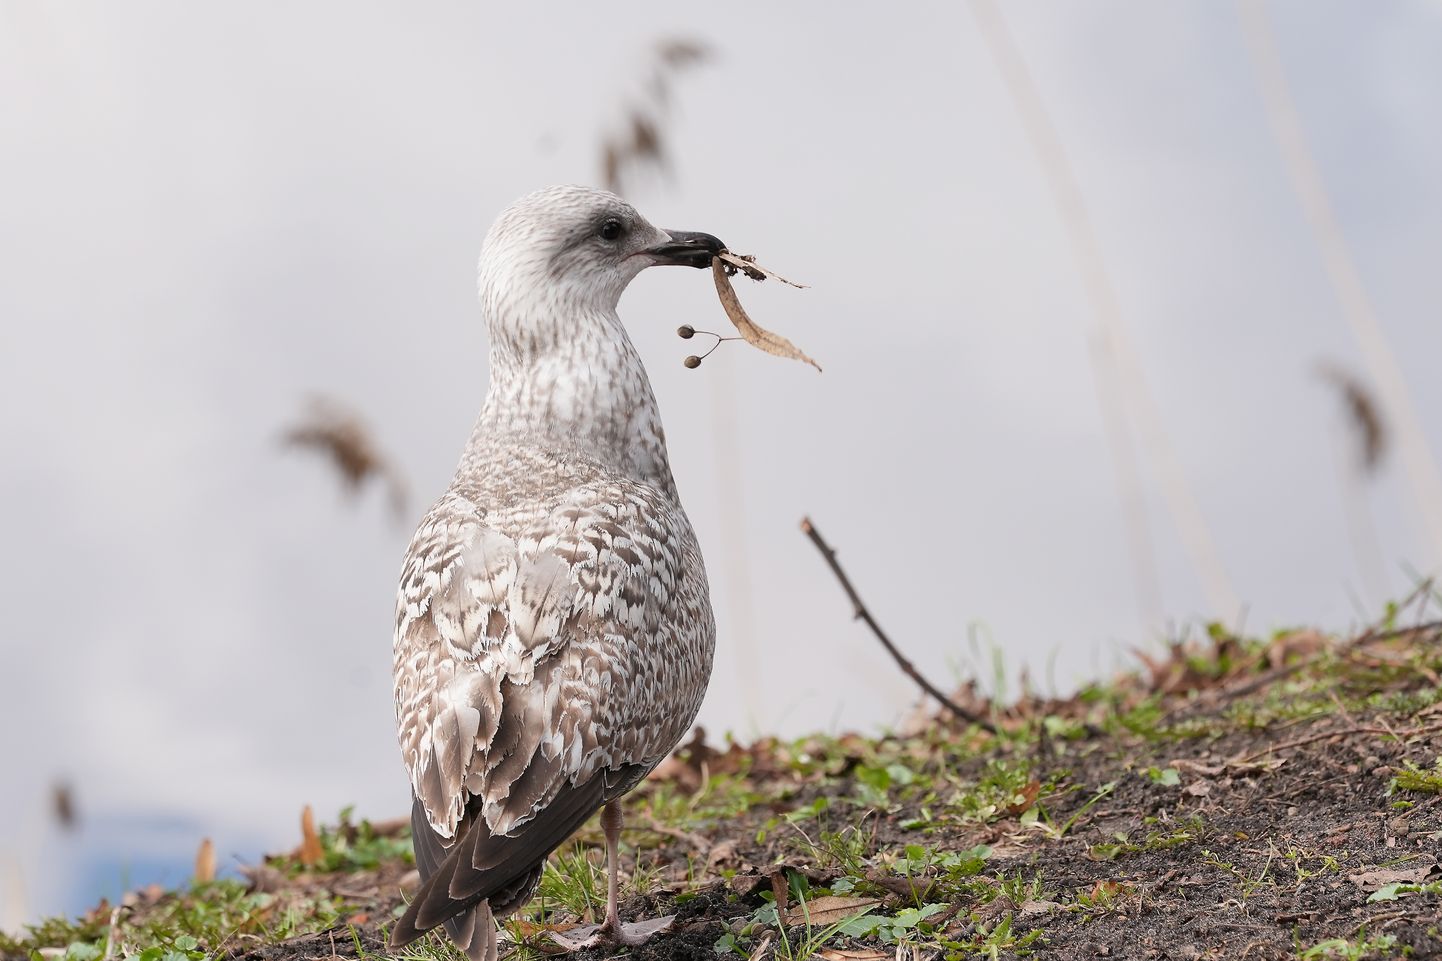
[(590, 935)]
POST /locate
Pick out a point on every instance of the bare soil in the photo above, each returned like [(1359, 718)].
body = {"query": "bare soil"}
[(1234, 800)]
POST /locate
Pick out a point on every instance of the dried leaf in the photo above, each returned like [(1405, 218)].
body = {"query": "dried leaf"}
[(1381, 877), (205, 862), (861, 954), (828, 910), (1188, 766), (1024, 798), (677, 770), (723, 855), (1294, 644), (754, 335), (263, 878), (747, 883), (747, 265), (994, 909), (780, 889), (310, 852)]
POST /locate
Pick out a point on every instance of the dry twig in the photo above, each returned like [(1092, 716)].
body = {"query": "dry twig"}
[(862, 614), (1337, 732), (699, 842)]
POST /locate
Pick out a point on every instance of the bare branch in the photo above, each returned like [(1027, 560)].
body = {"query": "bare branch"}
[(862, 614)]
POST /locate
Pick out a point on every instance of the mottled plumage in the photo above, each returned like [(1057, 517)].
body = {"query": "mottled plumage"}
[(554, 633)]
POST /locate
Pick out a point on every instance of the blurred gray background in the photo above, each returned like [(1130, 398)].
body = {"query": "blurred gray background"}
[(209, 213)]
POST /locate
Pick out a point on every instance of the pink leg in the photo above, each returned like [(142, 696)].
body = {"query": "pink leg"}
[(612, 930), (612, 819)]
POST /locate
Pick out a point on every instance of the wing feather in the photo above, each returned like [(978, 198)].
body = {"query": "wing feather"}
[(523, 697)]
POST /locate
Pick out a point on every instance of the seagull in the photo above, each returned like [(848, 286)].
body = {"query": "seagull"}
[(554, 632)]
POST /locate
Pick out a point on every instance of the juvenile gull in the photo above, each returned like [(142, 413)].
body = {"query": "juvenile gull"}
[(553, 630)]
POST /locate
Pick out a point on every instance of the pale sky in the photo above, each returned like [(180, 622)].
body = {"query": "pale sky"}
[(210, 213)]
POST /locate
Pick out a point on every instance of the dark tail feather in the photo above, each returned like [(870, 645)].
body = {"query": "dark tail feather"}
[(496, 872), (475, 933)]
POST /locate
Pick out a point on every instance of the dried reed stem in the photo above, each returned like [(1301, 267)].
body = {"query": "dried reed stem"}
[(1382, 366), (1114, 356)]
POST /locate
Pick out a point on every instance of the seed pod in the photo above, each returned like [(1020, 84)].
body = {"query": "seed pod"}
[(692, 362), (750, 331), (685, 331)]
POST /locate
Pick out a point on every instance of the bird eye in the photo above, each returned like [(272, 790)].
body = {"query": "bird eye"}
[(611, 229)]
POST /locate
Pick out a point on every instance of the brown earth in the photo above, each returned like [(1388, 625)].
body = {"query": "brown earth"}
[(1236, 800)]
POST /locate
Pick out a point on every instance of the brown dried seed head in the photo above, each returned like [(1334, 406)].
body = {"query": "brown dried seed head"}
[(692, 362), (685, 331)]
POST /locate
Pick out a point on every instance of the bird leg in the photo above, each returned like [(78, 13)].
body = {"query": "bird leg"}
[(612, 820), (612, 931)]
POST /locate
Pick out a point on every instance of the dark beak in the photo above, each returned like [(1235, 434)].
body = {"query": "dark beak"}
[(688, 248)]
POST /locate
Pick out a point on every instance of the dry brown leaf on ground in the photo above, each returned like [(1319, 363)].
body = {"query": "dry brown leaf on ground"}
[(822, 911), (723, 855), (1303, 643), (263, 879), (862, 954), (1380, 877), (752, 333), (1025, 798)]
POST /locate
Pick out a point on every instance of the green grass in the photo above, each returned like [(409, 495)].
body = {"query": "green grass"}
[(196, 923), (954, 831), (1417, 779), (349, 846), (1161, 837), (1344, 949)]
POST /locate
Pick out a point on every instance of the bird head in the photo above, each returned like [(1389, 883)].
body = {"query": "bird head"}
[(577, 248)]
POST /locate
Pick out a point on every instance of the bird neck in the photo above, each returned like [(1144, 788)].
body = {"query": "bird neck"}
[(584, 393)]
